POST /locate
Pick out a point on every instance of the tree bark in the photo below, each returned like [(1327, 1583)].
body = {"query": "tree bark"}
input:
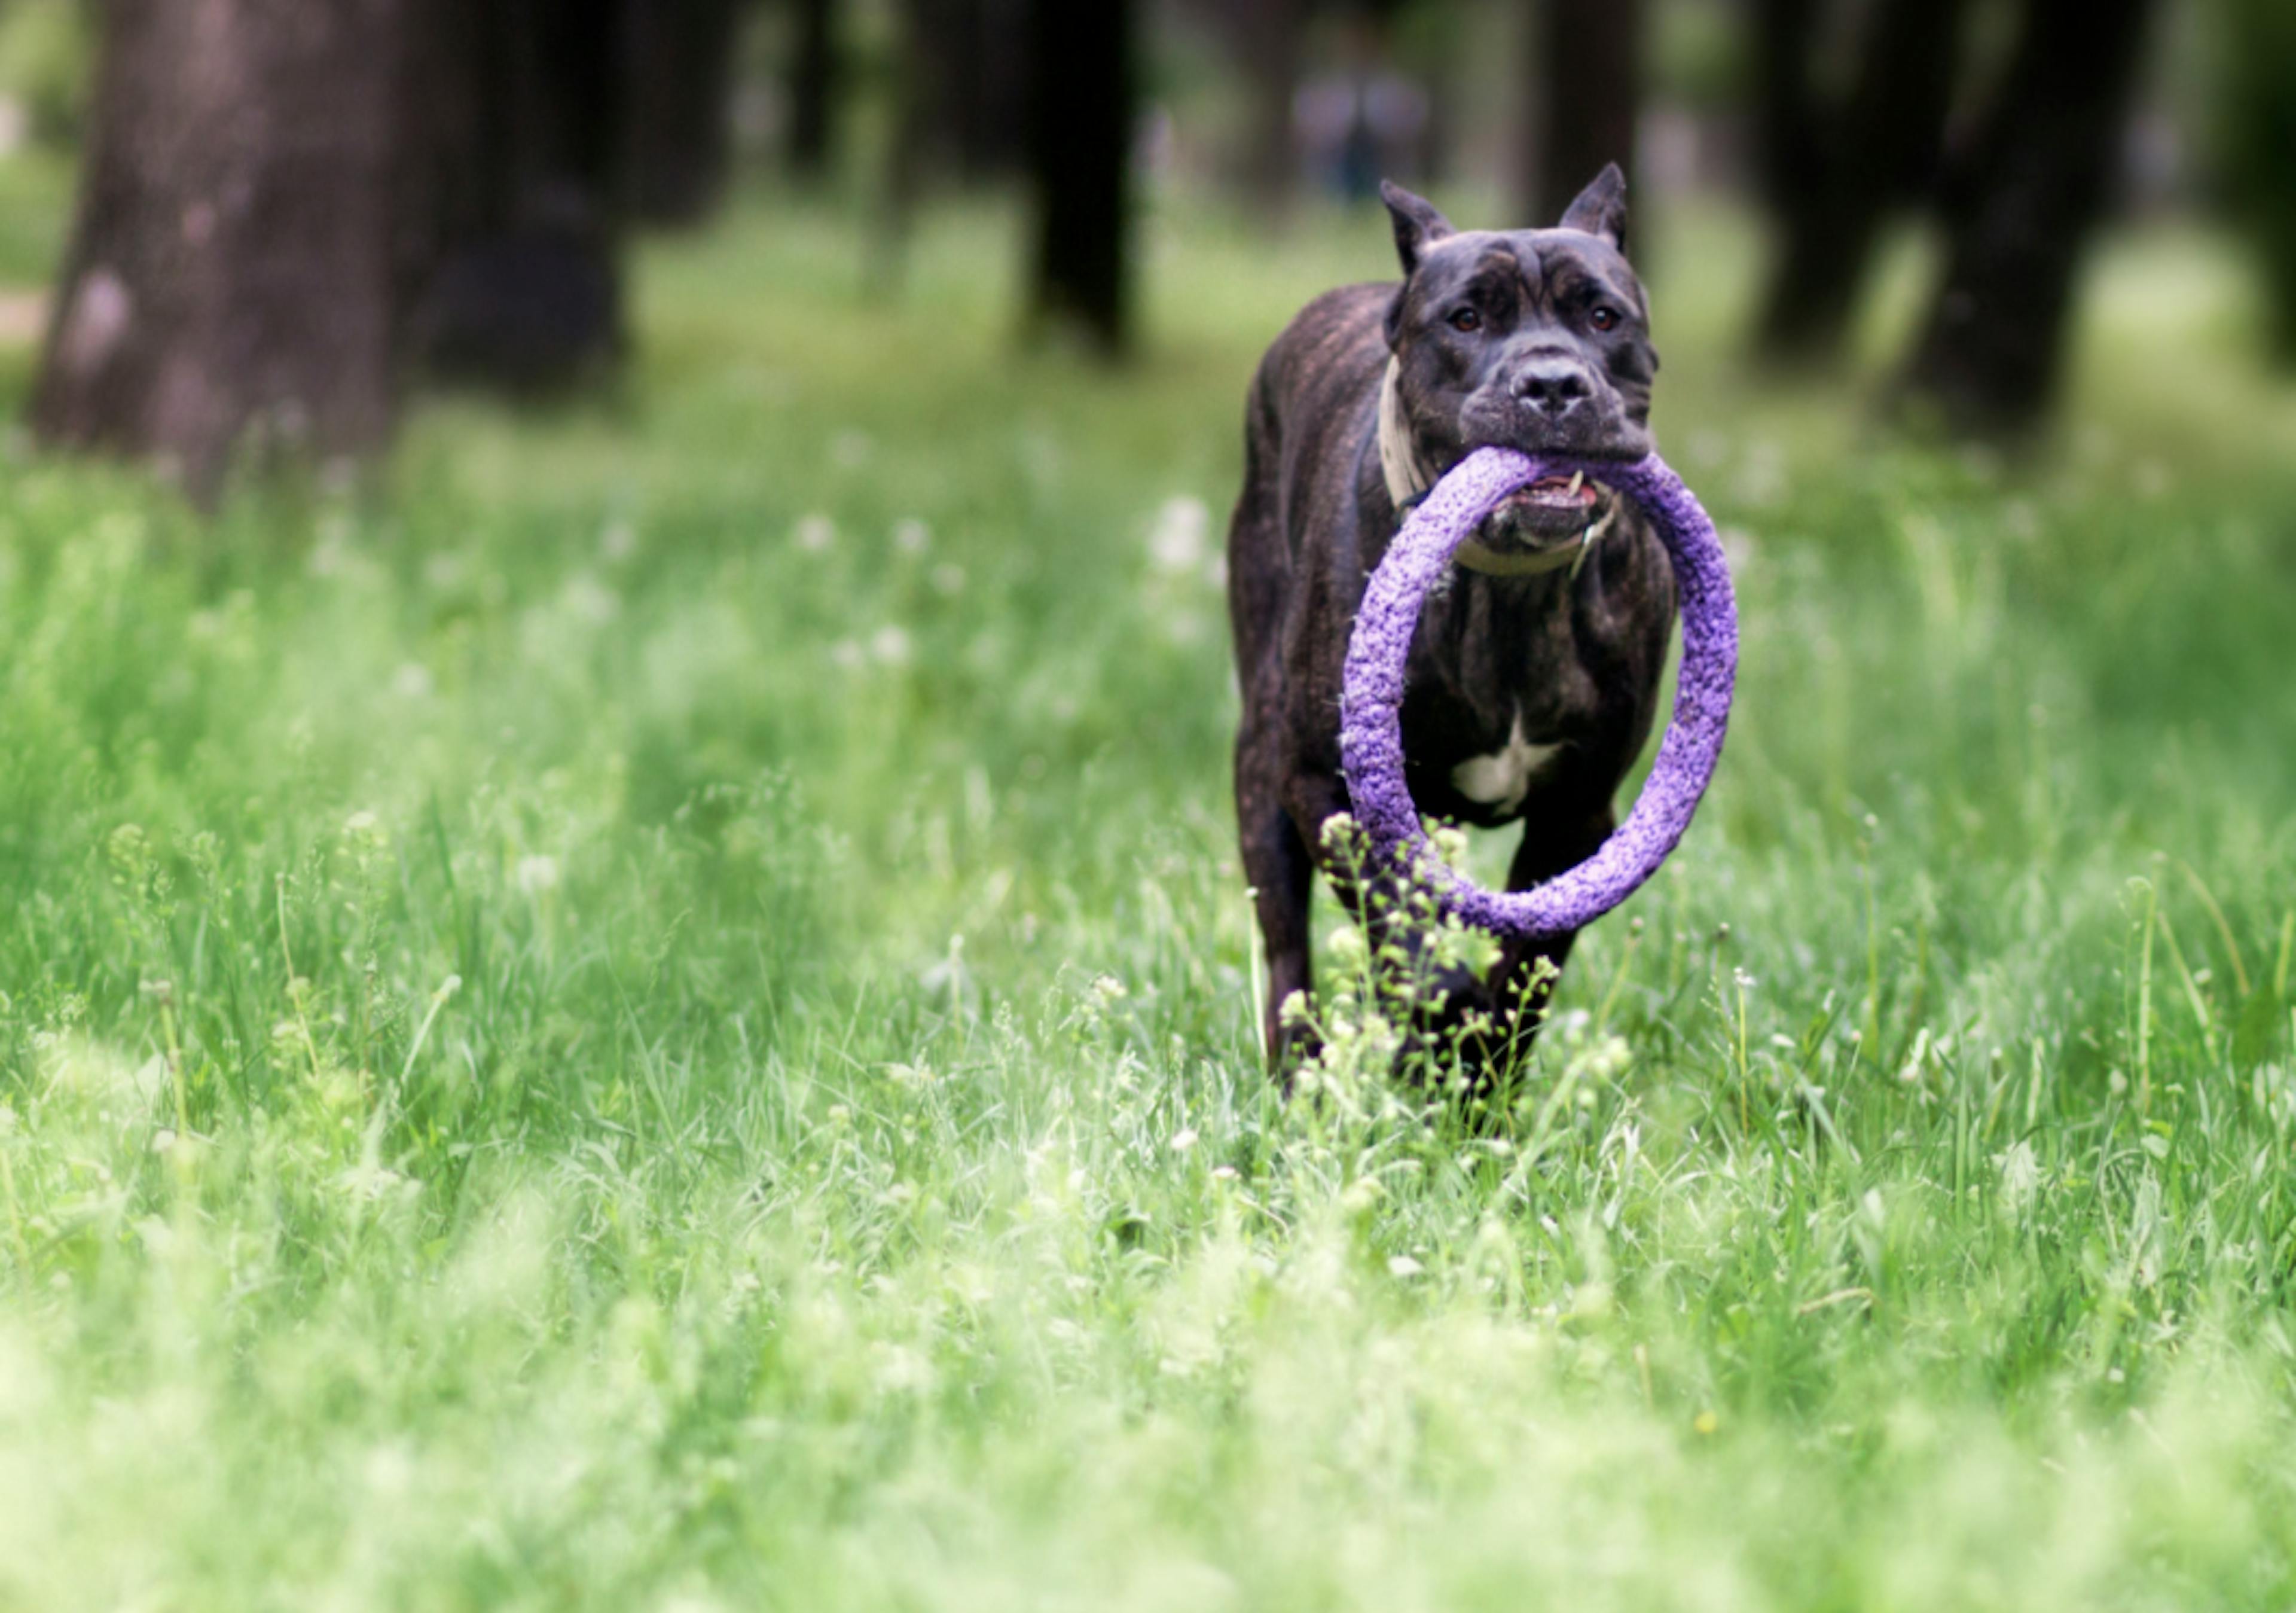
[(1789, 127), (513, 234), (1079, 155), (2258, 112), (815, 69), (681, 80), (1267, 37), (2021, 206), (1585, 70), (967, 87), (1273, 61), (231, 268), (1835, 174)]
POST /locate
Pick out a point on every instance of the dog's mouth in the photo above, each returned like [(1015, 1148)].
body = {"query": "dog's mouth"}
[(1551, 511)]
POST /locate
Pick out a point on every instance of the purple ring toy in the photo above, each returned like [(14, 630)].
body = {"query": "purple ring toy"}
[(1371, 730)]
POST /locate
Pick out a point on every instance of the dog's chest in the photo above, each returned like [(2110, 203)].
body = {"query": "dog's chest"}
[(1500, 780), (1500, 693)]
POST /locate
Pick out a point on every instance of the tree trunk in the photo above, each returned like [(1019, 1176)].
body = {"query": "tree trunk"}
[(572, 89), (2021, 208), (230, 271), (513, 229), (1835, 174), (966, 85), (814, 74), (680, 82), (2259, 131), (1079, 155), (1272, 160), (1586, 68), (1790, 147), (990, 81), (1265, 40)]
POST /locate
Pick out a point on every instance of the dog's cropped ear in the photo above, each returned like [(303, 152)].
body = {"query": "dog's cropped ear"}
[(1601, 209), (1417, 225)]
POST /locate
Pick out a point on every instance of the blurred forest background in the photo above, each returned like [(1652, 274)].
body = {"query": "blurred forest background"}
[(289, 216), (645, 1001)]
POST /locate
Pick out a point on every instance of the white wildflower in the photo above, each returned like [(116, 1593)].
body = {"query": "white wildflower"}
[(1176, 541)]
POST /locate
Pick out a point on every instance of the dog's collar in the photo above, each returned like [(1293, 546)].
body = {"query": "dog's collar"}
[(1409, 478), (1492, 562)]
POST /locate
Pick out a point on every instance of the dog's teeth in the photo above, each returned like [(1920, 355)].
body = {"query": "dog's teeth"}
[(1578, 480)]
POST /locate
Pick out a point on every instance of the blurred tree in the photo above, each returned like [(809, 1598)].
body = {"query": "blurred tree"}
[(1080, 114), (515, 136), (2259, 147), (230, 268), (1834, 169), (286, 206), (1268, 34), (964, 105), (47, 51), (1266, 38), (681, 80), (815, 81), (2022, 200), (960, 98), (1433, 46), (1586, 74)]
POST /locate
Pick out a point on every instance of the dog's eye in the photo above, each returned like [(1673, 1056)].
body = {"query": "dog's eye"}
[(1604, 317), (1464, 319)]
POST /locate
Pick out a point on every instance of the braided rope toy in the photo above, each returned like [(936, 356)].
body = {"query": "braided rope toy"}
[(1371, 728)]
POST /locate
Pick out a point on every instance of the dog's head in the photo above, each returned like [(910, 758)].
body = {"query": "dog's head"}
[(1536, 340)]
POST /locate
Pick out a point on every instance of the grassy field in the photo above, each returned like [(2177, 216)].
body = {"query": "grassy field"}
[(656, 1011)]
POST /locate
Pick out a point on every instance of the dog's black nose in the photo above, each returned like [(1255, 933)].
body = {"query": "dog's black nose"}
[(1553, 386)]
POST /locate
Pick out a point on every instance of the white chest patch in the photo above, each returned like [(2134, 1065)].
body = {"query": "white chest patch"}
[(1502, 778)]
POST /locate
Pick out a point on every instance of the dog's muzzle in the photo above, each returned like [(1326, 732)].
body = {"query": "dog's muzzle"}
[(1544, 527)]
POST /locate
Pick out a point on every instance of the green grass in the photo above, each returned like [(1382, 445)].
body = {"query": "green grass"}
[(564, 1047), (35, 198)]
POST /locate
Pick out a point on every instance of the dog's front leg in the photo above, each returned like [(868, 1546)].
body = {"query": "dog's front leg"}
[(1276, 861), (1282, 875), (1552, 845), (1442, 1001)]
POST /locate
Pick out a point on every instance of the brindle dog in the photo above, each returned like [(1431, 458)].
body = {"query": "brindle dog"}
[(1534, 675)]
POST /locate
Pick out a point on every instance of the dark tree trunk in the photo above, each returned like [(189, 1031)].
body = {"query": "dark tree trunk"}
[(681, 80), (961, 98), (814, 68), (1835, 173), (1585, 70), (966, 88), (453, 169), (2021, 206), (571, 89), (1268, 44), (1079, 155), (514, 226), (989, 82), (1790, 129), (1274, 63), (2259, 131), (230, 270)]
